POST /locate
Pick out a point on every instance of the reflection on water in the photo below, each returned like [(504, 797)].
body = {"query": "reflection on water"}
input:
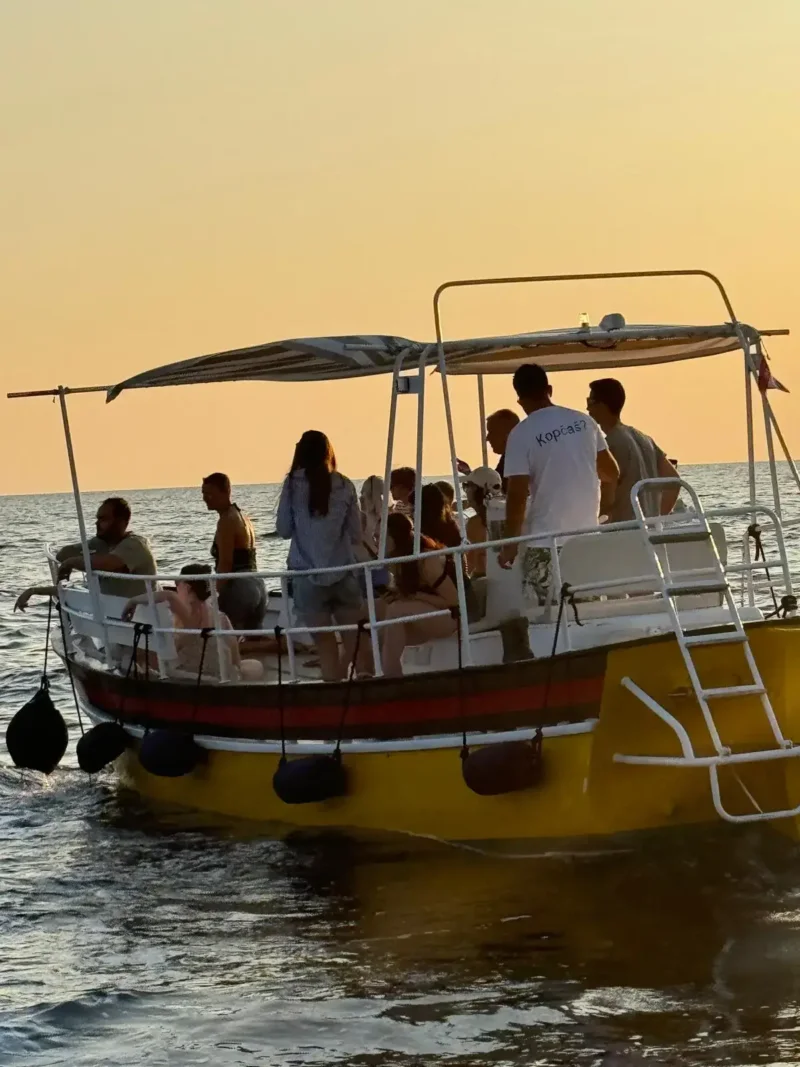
[(133, 936)]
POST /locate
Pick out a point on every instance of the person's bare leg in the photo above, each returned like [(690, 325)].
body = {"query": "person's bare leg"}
[(327, 647), (348, 617)]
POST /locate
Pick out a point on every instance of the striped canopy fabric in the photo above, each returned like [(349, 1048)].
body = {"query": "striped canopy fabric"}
[(326, 358)]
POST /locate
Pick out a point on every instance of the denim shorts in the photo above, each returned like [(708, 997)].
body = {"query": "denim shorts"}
[(310, 598)]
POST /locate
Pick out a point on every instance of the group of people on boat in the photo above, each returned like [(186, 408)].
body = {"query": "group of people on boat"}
[(559, 469)]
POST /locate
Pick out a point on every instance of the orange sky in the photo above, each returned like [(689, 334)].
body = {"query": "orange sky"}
[(184, 177)]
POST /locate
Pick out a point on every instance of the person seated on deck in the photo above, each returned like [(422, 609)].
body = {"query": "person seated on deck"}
[(115, 548), (559, 458), (420, 586), (480, 486), (637, 455), (191, 610), (449, 494), (244, 600), (318, 511), (436, 518), (401, 485), (371, 504)]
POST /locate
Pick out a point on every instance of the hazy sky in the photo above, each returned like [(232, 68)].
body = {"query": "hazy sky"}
[(187, 176)]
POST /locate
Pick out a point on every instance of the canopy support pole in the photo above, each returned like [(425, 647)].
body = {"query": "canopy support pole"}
[(420, 442), (91, 579), (389, 452), (466, 648), (482, 414), (751, 454)]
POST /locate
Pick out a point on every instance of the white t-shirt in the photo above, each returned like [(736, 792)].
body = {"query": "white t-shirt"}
[(557, 448)]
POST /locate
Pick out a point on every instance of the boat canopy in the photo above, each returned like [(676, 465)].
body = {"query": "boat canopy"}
[(326, 358)]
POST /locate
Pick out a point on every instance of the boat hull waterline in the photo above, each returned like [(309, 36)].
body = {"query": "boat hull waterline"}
[(413, 784)]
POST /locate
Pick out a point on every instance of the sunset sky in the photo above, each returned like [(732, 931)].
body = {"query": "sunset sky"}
[(187, 176)]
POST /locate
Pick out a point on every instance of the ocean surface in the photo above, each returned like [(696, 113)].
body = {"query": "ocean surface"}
[(133, 936)]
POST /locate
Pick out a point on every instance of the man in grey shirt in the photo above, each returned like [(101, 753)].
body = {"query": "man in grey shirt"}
[(115, 549), (637, 455)]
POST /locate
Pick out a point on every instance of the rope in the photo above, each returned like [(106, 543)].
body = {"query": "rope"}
[(280, 694), (567, 597), (205, 633), (68, 662), (45, 684), (754, 531), (351, 673)]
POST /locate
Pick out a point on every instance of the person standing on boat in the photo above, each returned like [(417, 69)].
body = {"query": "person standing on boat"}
[(243, 600), (318, 511), (555, 462), (637, 455), (115, 548), (498, 426)]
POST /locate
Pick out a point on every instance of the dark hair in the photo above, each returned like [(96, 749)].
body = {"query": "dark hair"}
[(403, 476), (314, 454), (610, 392), (200, 588), (436, 519), (401, 530), (448, 492), (530, 380), (219, 481), (120, 508)]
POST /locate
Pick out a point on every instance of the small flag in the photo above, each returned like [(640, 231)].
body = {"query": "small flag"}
[(765, 378)]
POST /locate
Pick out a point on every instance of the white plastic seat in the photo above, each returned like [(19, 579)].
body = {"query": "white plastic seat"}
[(622, 554), (80, 616)]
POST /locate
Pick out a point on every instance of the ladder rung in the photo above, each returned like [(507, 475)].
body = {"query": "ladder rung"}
[(679, 535), (733, 691), (690, 588), (733, 637)]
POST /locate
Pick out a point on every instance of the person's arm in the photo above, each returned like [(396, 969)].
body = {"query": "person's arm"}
[(226, 541), (670, 493), (516, 502), (76, 550), (284, 519), (608, 473), (161, 596), (35, 590), (100, 561), (353, 520)]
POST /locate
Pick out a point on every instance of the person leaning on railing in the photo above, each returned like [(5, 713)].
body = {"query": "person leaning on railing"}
[(420, 587), (244, 600), (115, 548)]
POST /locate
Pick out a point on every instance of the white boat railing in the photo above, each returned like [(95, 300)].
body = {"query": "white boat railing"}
[(373, 624)]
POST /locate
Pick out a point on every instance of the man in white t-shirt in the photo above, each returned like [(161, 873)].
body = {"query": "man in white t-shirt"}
[(556, 461)]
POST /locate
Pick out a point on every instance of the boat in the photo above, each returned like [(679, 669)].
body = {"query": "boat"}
[(656, 690)]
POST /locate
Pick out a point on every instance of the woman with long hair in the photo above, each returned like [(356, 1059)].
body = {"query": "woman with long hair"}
[(318, 511), (420, 586), (436, 518)]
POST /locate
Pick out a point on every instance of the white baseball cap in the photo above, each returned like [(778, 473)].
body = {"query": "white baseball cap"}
[(485, 478)]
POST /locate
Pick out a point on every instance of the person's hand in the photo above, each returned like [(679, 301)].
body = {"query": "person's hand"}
[(65, 570), (508, 553), (462, 467), (23, 600), (129, 611)]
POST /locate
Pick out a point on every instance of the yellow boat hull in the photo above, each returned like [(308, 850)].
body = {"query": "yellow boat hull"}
[(584, 791)]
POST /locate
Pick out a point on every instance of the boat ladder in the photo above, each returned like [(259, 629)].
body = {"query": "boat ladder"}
[(673, 586)]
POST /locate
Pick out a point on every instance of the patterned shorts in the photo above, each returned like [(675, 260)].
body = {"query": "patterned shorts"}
[(537, 570)]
